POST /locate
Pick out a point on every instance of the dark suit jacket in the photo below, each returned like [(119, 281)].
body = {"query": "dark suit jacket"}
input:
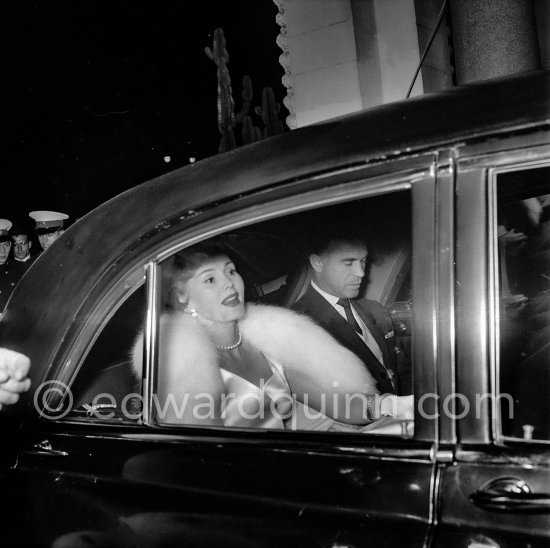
[(377, 319)]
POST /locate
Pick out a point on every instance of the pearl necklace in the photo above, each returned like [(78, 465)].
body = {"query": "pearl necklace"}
[(232, 346)]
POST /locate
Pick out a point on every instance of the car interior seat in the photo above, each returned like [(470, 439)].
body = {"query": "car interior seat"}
[(296, 285)]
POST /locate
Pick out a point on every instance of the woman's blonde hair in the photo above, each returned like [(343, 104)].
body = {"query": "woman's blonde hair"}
[(184, 264)]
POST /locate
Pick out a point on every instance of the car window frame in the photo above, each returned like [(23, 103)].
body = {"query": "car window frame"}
[(363, 189)]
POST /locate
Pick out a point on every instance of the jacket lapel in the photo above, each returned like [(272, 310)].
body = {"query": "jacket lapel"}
[(375, 330), (329, 318)]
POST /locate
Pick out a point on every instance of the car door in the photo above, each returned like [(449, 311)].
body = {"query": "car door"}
[(102, 468), (497, 491)]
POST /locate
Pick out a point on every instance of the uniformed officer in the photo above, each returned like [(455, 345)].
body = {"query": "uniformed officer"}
[(5, 240), (49, 226), (6, 282)]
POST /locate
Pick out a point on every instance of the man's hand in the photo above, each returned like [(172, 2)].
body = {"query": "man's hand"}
[(14, 368), (401, 407)]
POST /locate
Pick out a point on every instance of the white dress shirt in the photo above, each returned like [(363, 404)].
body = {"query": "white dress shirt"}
[(367, 336)]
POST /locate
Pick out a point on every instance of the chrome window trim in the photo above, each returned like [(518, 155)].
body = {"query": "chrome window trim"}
[(502, 159), (446, 295), (505, 148), (493, 301), (425, 343), (287, 206), (150, 343)]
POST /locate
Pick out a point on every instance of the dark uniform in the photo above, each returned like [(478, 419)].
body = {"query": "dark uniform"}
[(10, 274), (7, 282)]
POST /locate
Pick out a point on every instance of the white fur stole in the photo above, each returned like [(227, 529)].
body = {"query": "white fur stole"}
[(307, 353)]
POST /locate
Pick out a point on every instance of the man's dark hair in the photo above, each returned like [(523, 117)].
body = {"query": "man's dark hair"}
[(327, 232), (20, 231)]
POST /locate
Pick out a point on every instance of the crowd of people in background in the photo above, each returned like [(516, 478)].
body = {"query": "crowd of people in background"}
[(17, 253)]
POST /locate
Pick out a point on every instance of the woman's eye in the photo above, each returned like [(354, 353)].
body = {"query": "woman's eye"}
[(232, 272), (209, 280)]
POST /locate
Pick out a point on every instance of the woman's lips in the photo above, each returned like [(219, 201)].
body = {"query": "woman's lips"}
[(232, 300)]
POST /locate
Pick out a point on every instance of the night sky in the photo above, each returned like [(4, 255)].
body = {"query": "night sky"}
[(96, 94)]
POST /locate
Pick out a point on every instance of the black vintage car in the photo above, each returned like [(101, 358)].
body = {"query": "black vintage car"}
[(453, 190)]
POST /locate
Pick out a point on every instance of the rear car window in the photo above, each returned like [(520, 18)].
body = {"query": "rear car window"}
[(523, 250)]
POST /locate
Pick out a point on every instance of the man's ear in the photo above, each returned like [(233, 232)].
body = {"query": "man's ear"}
[(30, 244), (316, 262)]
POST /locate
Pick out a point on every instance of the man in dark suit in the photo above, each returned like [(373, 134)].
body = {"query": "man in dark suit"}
[(22, 258), (363, 326)]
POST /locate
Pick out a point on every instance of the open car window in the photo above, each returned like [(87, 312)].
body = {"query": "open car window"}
[(272, 373)]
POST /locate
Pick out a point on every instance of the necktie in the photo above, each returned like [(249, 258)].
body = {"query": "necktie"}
[(349, 315), (368, 338)]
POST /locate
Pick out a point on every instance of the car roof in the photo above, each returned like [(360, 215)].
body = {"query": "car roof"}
[(44, 304)]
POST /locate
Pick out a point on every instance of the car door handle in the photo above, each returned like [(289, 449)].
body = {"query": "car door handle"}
[(514, 502), (510, 494)]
